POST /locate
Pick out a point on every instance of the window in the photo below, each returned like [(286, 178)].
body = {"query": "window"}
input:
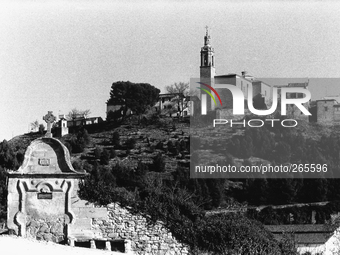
[(326, 108)]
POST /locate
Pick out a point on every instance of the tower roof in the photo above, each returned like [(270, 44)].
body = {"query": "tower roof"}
[(207, 37)]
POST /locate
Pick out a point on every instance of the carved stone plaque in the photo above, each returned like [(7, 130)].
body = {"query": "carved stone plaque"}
[(44, 195), (44, 161)]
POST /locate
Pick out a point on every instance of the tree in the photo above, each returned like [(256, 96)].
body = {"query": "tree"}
[(75, 113), (105, 157), (136, 97), (41, 128), (182, 90), (115, 139), (34, 126), (79, 140), (180, 87)]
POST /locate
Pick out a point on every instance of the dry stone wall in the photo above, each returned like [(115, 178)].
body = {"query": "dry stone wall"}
[(116, 223), (145, 238)]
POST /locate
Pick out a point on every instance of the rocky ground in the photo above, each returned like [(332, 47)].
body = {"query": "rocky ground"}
[(12, 245)]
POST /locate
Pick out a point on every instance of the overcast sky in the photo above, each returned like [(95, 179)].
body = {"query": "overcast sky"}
[(59, 55)]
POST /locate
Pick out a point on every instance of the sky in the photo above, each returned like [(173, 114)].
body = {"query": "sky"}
[(60, 55)]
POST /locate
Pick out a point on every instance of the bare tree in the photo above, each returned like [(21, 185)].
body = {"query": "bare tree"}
[(75, 113), (181, 89), (35, 126)]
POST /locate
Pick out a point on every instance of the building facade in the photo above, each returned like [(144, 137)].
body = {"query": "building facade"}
[(244, 82), (328, 111)]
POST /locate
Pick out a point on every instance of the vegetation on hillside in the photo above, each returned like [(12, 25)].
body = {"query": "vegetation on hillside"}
[(181, 202), (177, 203)]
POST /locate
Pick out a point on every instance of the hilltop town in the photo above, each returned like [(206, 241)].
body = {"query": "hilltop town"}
[(123, 183)]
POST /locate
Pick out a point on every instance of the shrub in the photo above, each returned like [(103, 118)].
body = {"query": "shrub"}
[(41, 129), (77, 165), (159, 145), (87, 167), (105, 157), (115, 139), (130, 143), (158, 164), (113, 153), (79, 140), (114, 115), (68, 146), (97, 152)]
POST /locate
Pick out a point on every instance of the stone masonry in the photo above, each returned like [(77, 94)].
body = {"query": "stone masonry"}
[(39, 193), (43, 203), (145, 238)]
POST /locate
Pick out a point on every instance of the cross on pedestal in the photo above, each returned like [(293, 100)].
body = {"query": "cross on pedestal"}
[(49, 118)]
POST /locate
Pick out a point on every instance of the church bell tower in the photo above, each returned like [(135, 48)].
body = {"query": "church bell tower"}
[(207, 68)]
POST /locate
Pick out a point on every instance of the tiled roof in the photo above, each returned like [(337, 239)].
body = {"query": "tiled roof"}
[(330, 99), (302, 228), (303, 234), (301, 84)]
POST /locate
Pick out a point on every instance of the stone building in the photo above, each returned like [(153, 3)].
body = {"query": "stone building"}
[(243, 82), (179, 104), (328, 111), (43, 203), (313, 239)]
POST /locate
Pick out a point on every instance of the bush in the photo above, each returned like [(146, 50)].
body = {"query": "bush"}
[(130, 143), (115, 139), (159, 145), (178, 209), (68, 146), (77, 165), (114, 115), (113, 153), (79, 140), (97, 152), (105, 157), (158, 164), (234, 234), (41, 129)]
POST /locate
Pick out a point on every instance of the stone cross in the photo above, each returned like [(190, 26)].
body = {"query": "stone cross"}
[(49, 118)]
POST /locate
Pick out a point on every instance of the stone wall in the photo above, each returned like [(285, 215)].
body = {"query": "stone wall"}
[(145, 238), (114, 222), (43, 203)]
